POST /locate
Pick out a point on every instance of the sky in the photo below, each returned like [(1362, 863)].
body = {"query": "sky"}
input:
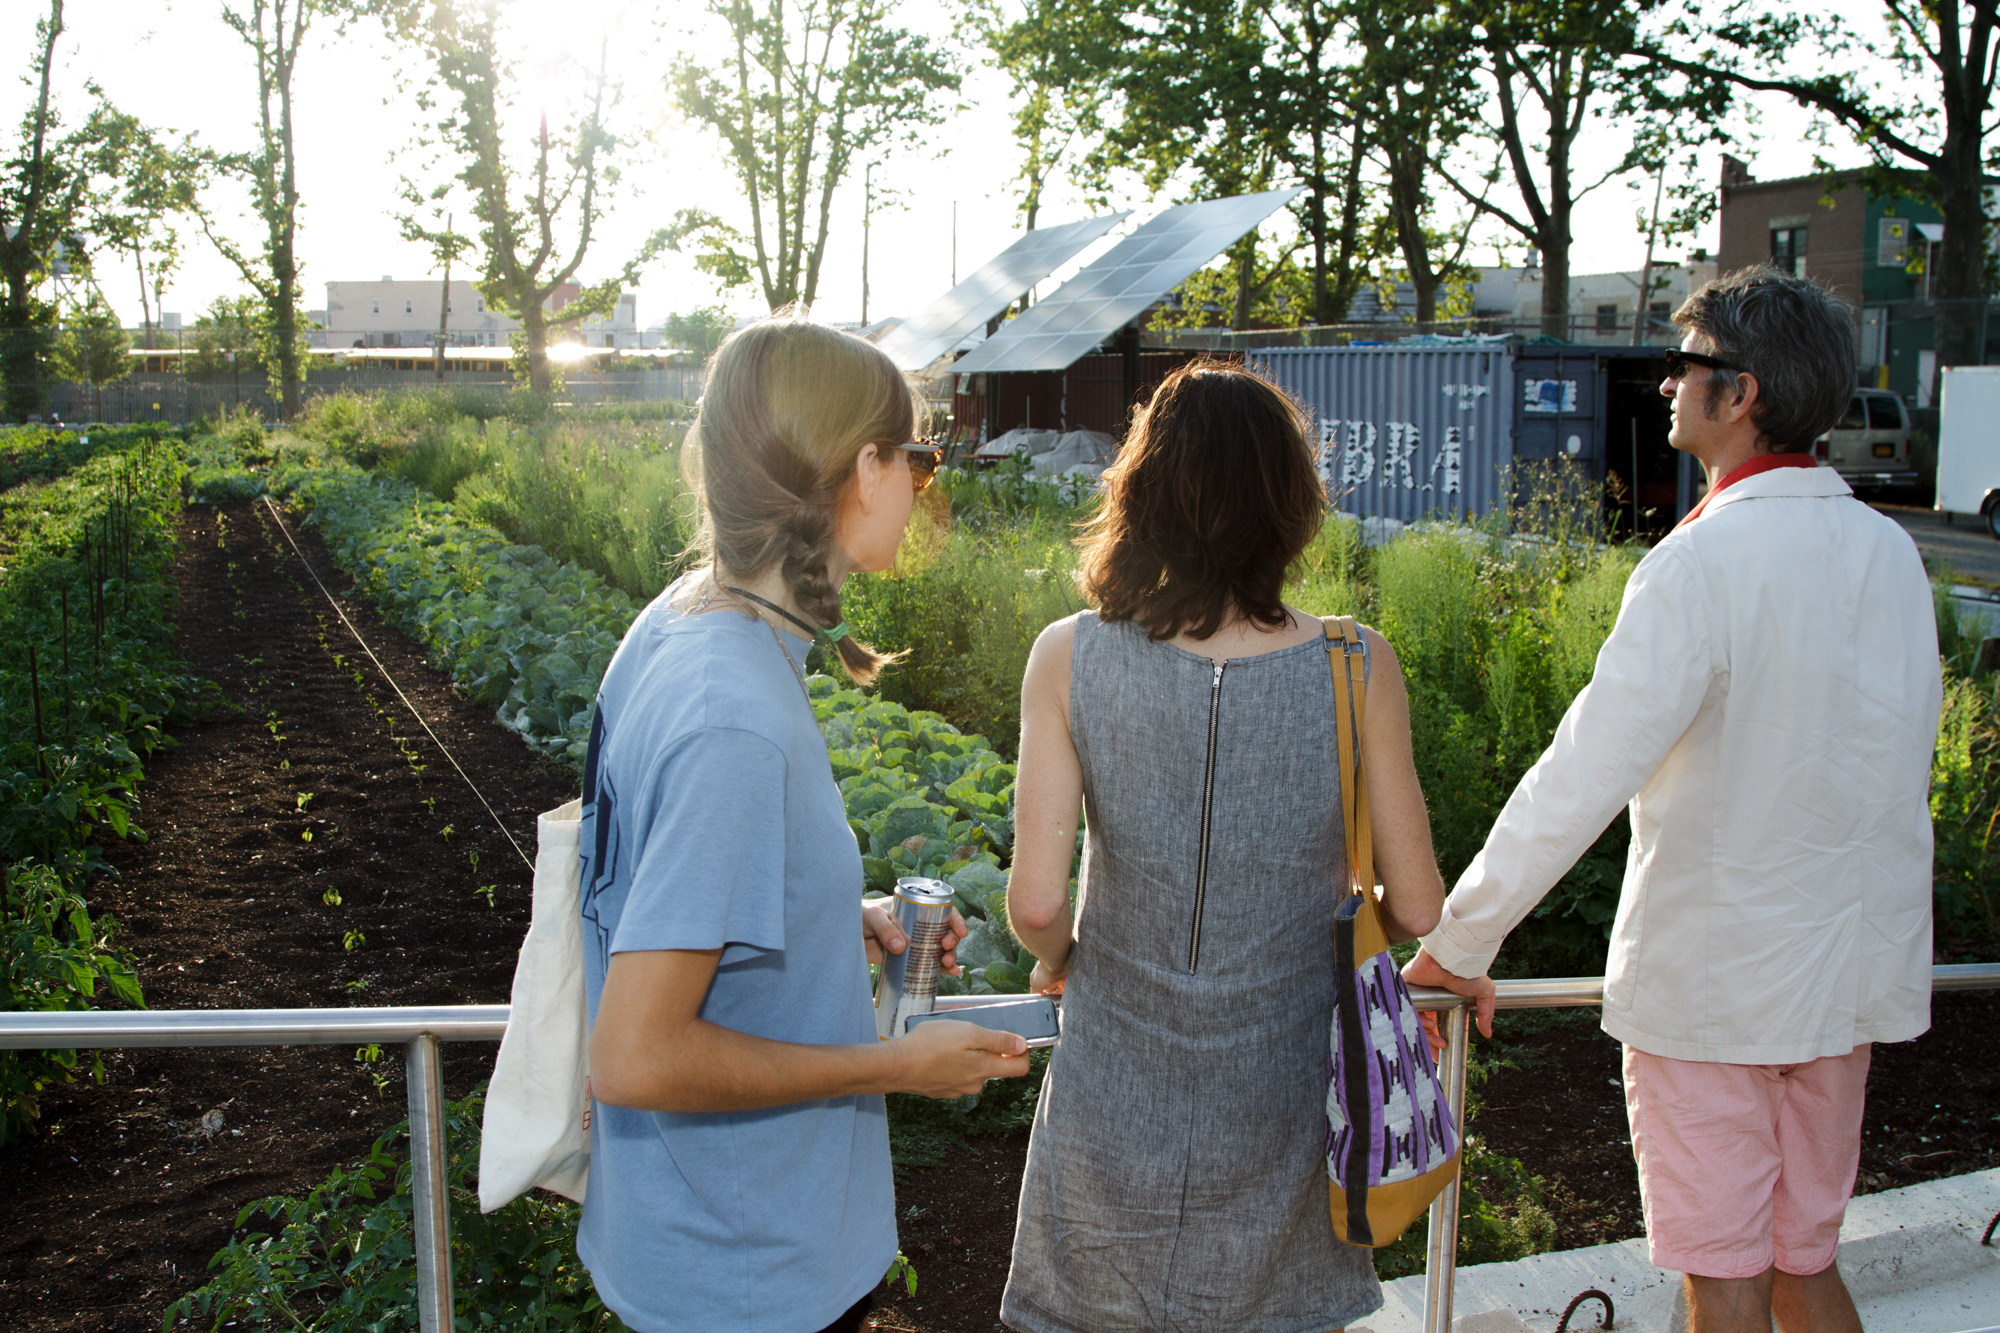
[(175, 65)]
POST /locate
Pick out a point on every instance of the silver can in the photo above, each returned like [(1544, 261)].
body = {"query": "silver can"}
[(909, 979)]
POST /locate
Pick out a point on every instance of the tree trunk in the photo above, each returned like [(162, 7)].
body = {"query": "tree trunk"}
[(1351, 201), (1246, 273), (20, 352), (1555, 284), (540, 380), (1959, 285), (1408, 205)]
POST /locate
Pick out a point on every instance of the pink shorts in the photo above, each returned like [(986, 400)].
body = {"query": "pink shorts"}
[(1744, 1166)]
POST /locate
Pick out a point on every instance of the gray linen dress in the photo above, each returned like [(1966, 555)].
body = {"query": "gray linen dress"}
[(1176, 1178)]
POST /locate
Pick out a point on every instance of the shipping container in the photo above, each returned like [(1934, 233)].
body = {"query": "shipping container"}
[(1421, 430)]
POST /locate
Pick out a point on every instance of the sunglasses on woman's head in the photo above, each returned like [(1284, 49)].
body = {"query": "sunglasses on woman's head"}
[(924, 458), (1679, 363)]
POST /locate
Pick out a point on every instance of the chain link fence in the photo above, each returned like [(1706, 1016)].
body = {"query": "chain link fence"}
[(180, 377)]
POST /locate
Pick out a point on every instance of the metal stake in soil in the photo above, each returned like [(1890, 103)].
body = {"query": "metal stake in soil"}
[(35, 688)]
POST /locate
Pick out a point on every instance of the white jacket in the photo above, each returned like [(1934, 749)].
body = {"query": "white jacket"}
[(1768, 703)]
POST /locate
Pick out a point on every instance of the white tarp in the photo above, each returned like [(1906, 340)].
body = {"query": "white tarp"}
[(1020, 440), (1090, 449)]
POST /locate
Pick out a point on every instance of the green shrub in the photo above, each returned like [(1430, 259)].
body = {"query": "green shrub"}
[(1965, 809), (343, 1258), (45, 453), (53, 958), (84, 698)]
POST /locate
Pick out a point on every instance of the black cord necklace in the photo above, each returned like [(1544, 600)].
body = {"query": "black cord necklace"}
[(811, 633)]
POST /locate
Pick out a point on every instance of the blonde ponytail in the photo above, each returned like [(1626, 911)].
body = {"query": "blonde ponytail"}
[(786, 410)]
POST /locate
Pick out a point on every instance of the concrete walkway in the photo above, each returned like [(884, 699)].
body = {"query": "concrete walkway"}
[(1964, 545), (1911, 1257)]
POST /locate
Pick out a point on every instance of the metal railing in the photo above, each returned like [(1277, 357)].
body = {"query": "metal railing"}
[(421, 1031)]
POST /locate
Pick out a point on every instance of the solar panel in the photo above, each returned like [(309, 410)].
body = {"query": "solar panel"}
[(1122, 283), (942, 324)]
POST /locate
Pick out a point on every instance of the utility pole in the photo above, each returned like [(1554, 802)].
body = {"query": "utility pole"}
[(867, 207), (1643, 316), (444, 303)]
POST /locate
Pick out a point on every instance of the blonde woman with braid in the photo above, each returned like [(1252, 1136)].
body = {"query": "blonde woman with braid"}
[(740, 1154)]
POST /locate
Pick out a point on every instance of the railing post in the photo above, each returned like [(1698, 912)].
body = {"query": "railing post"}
[(430, 1197), (1441, 1263)]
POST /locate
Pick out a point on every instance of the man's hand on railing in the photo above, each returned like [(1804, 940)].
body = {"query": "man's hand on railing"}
[(1424, 970)]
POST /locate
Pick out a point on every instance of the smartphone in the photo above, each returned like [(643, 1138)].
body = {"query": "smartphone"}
[(1031, 1016)]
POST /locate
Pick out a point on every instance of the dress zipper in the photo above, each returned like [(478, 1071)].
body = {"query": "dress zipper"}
[(1207, 803)]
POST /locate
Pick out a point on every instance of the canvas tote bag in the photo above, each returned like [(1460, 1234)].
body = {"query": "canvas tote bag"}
[(537, 1125), (1391, 1144)]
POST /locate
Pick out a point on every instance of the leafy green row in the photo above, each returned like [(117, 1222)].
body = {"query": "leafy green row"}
[(344, 1256), (519, 631), (43, 453), (531, 637), (88, 684)]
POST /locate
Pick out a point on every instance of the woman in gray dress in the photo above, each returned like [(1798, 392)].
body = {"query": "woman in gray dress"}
[(1176, 1177)]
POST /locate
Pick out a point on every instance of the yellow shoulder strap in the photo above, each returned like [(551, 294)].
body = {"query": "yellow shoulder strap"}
[(1348, 660)]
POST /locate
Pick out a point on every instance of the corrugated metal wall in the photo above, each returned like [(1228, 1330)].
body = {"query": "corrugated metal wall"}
[(1405, 432)]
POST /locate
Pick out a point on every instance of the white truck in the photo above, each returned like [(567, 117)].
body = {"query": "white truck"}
[(1968, 463)]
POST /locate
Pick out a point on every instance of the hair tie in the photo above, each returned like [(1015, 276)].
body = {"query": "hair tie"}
[(836, 634)]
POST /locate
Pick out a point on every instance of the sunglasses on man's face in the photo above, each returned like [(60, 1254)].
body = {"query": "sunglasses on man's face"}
[(1679, 363), (924, 458)]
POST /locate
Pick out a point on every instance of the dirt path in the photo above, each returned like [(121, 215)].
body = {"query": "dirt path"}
[(229, 906)]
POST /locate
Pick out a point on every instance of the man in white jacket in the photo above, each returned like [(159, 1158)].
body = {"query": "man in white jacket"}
[(1767, 704)]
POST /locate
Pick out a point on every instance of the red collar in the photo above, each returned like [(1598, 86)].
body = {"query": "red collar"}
[(1761, 463)]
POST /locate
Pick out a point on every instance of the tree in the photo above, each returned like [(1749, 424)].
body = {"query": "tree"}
[(1420, 84), (523, 201), (1057, 53), (232, 338), (42, 192), (91, 347), (445, 246), (1233, 96), (1949, 45), (274, 30), (699, 332), (1332, 128), (810, 87), (1560, 64), (1199, 102), (145, 181)]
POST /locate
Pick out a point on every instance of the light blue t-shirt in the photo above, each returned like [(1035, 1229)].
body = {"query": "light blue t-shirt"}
[(711, 820)]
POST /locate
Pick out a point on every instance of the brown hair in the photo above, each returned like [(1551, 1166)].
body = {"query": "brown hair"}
[(786, 409), (1213, 497), (1793, 335)]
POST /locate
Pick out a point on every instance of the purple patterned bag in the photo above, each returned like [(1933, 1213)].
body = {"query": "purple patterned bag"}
[(1391, 1142)]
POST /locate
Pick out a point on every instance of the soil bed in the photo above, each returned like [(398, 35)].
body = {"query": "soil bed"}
[(117, 1212), (227, 905)]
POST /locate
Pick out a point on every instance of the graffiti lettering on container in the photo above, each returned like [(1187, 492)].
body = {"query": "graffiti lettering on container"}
[(1468, 395), (1355, 448), (1549, 396)]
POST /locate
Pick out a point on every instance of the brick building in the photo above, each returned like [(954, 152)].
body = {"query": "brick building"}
[(1870, 248)]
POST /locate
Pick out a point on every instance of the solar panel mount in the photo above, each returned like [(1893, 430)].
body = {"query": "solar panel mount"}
[(944, 323), (1122, 284)]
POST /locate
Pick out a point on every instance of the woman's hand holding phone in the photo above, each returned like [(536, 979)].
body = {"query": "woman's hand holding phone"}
[(948, 1058)]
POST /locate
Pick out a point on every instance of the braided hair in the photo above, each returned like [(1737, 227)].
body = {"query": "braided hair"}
[(787, 407)]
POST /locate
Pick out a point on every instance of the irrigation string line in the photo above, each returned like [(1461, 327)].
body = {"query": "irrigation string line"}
[(499, 823)]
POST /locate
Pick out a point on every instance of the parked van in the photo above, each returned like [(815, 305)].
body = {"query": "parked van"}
[(1968, 473), (1870, 445)]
